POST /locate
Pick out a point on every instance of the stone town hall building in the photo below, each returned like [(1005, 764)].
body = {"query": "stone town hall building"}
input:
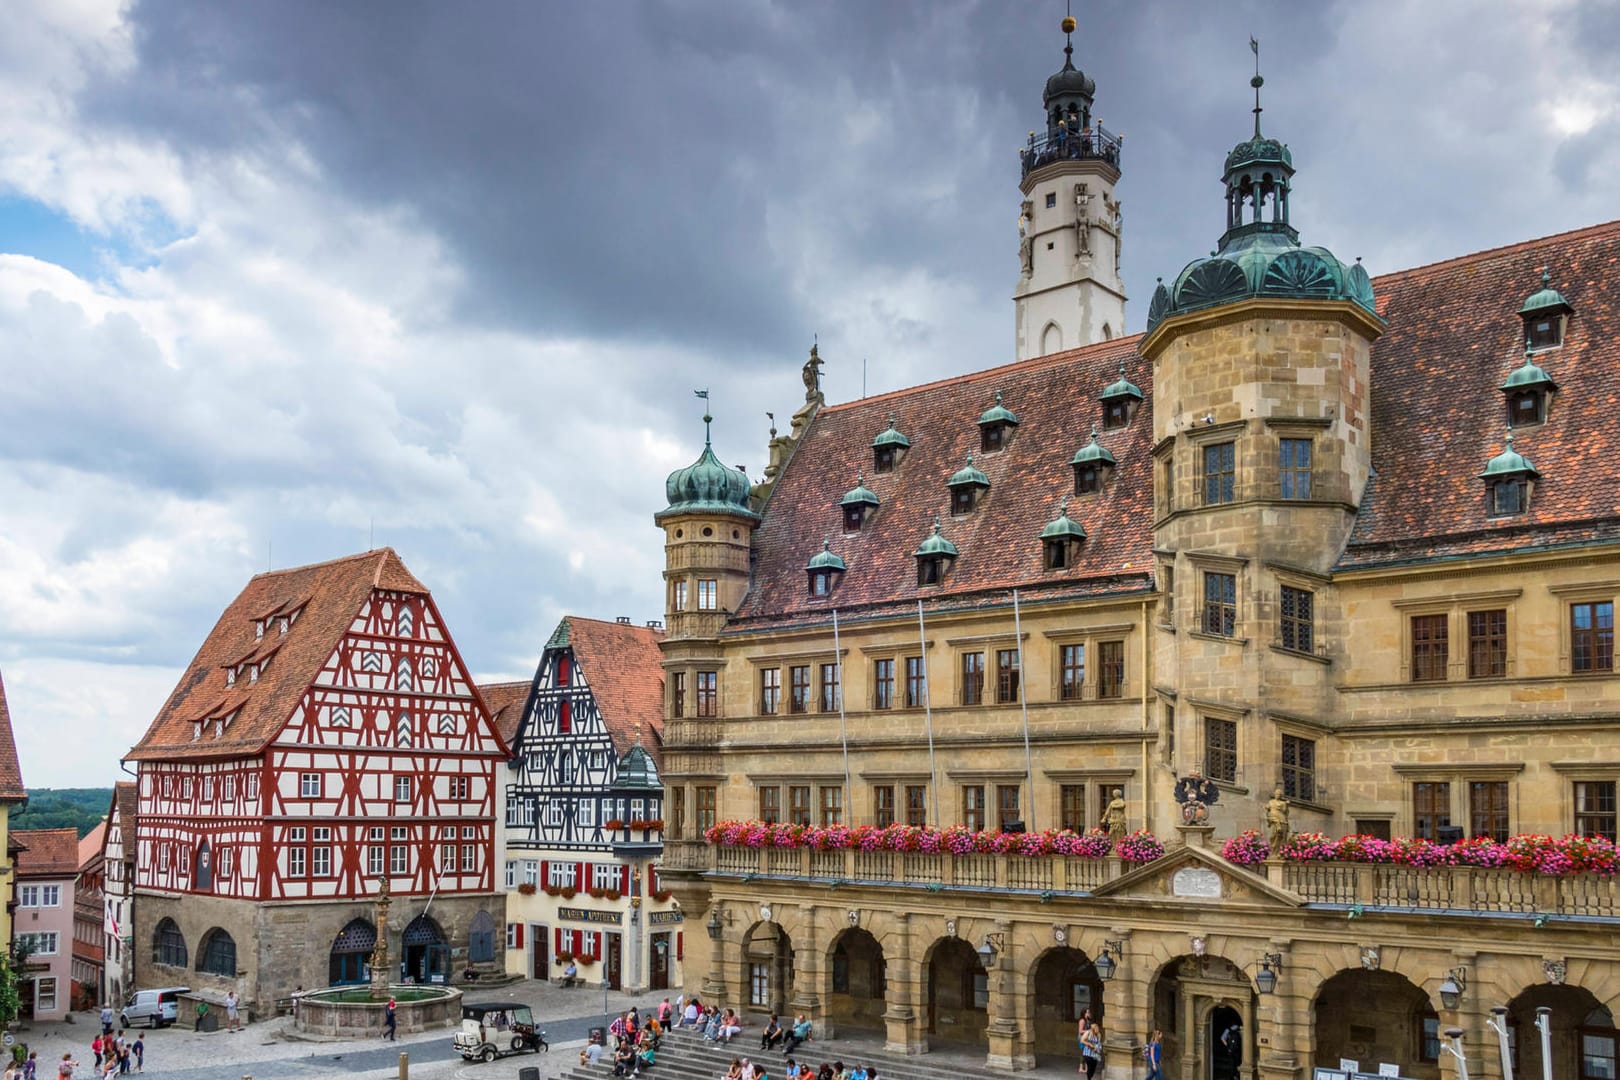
[(1284, 538)]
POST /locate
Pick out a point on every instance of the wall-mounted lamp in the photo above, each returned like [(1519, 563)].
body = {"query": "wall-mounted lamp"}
[(994, 944), (1265, 980), (1451, 990), (1106, 964), (718, 921)]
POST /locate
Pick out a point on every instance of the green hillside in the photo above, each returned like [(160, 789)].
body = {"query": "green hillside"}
[(60, 808)]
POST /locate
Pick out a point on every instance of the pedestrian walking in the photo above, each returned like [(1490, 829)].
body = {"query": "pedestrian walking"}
[(31, 1067), (106, 1020), (65, 1067), (391, 1020), (1153, 1054), (95, 1048), (140, 1053), (231, 1004)]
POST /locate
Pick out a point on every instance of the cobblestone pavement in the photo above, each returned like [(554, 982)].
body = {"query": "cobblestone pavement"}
[(271, 1050)]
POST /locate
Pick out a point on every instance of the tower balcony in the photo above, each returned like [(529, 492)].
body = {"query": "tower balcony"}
[(1072, 144)]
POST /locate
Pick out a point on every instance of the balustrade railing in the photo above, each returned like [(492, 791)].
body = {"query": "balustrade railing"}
[(1074, 143)]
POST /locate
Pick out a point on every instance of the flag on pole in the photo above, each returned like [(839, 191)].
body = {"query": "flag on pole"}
[(1254, 45), (704, 394)]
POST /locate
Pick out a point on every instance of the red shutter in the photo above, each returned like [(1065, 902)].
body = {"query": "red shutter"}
[(560, 947), (596, 944), (624, 880), (680, 945), (545, 873), (584, 876), (517, 936)]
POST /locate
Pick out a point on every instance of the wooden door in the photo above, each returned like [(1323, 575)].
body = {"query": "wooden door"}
[(614, 961), (658, 971), (540, 951)]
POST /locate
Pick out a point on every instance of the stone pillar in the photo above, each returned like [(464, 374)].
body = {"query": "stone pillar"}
[(1283, 1021), (903, 977), (807, 972), (714, 980), (1197, 835), (1007, 1046), (1126, 1012)]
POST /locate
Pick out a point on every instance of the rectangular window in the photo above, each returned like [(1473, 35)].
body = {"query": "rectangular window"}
[(677, 813), (374, 859), (883, 684), (708, 594), (1591, 637), (917, 804), (1431, 809), (321, 861), (677, 694), (677, 595), (1487, 644), (1072, 807), (208, 789), (759, 985), (1007, 676), (1294, 468), (1220, 473), (1072, 668), (531, 871), (799, 805), (883, 805), (253, 785), (1488, 809), (832, 806), (1007, 806), (295, 862), (605, 875), (1220, 604), (1595, 808), (585, 813), (1377, 828), (704, 807), (44, 994), (829, 687), (1111, 669), (973, 806), (799, 688), (511, 873), (708, 693), (1220, 749), (972, 678), (770, 690), (402, 789), (1429, 648), (1298, 623), (41, 944), (1299, 767), (916, 682), (309, 785), (770, 804)]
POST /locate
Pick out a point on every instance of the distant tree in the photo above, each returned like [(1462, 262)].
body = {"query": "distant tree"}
[(12, 972), (63, 808)]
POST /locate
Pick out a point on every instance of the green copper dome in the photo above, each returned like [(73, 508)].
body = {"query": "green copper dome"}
[(968, 475), (998, 414), (637, 771), (860, 494), (1529, 376), (1259, 150), (1508, 463), (1121, 387), (707, 486), (891, 437), (825, 559), (1063, 527), (1093, 453), (1545, 298), (936, 545)]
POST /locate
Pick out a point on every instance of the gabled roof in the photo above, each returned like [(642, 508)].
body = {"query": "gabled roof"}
[(505, 701), (1437, 411), (90, 846), (48, 852), (999, 550), (329, 595), (624, 668), (11, 782)]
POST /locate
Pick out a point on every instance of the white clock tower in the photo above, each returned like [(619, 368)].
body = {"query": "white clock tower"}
[(1069, 288)]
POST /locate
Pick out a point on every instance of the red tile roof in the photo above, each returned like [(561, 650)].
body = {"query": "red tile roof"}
[(505, 702), (329, 594), (126, 798), (90, 846), (48, 852), (624, 668), (11, 782)]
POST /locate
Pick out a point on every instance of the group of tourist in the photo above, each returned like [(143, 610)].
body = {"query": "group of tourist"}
[(635, 1044)]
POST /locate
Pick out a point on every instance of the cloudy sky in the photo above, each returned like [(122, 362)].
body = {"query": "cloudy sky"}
[(276, 278)]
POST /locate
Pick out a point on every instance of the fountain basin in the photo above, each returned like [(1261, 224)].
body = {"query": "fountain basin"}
[(352, 1011)]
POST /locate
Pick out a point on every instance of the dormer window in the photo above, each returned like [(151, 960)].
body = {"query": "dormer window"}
[(1093, 466), (1119, 401), (1545, 332), (1528, 390), (258, 629), (1509, 478), (996, 427), (1508, 497), (934, 558), (230, 677), (858, 505), (825, 570), (1061, 540), (1546, 314), (889, 448), (967, 486)]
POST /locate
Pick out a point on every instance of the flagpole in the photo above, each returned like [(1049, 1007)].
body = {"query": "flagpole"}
[(928, 711), (843, 732), (1023, 706)]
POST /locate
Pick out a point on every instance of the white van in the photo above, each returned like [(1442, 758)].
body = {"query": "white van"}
[(158, 1008)]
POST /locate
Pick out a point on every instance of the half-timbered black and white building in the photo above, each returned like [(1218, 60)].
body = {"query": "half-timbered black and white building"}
[(583, 822)]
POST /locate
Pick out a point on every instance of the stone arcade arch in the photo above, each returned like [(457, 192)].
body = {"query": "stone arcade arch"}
[(1583, 1034), (1205, 1006), (1377, 1017), (767, 968), (481, 938), (426, 952), (857, 981), (1063, 985), (349, 962), (957, 993)]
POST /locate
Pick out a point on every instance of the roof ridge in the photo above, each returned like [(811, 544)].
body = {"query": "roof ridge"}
[(632, 625), (382, 553), (1032, 363), (1584, 231)]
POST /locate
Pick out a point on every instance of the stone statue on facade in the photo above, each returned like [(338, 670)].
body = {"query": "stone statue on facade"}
[(812, 375), (1277, 830), (1082, 219), (1114, 817), (1026, 241), (1196, 794)]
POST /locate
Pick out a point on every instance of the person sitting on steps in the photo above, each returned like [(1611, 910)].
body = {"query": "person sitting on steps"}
[(772, 1034), (800, 1034)]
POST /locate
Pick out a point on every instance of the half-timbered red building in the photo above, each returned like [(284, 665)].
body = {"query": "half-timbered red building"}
[(326, 738)]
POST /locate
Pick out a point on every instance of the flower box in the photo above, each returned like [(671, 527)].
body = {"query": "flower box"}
[(527, 888), (613, 824)]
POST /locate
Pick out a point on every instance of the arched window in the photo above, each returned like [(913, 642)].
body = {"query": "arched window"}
[(1051, 339), (218, 954), (168, 944)]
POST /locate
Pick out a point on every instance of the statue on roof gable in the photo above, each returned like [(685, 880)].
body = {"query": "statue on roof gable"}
[(812, 375)]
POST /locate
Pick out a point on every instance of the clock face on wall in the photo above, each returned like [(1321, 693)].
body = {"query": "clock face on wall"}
[(1060, 935), (765, 912)]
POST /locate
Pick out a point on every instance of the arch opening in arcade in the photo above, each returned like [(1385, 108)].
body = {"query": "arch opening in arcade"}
[(349, 962), (1377, 1018), (1065, 986), (767, 968), (1205, 1007), (958, 993), (427, 953), (859, 981), (1582, 1036)]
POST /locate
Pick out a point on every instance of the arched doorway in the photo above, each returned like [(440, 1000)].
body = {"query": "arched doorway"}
[(427, 954), (856, 999), (481, 939), (1377, 1017), (1204, 1005), (958, 993), (1065, 985), (767, 967), (349, 962), (1582, 1034)]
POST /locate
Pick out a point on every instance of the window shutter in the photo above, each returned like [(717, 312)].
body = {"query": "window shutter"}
[(559, 934), (680, 945), (584, 876), (518, 937), (545, 872), (624, 880)]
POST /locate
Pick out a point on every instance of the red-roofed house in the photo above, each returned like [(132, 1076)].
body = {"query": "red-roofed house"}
[(47, 867), (326, 739), (12, 793), (584, 811), (89, 907)]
